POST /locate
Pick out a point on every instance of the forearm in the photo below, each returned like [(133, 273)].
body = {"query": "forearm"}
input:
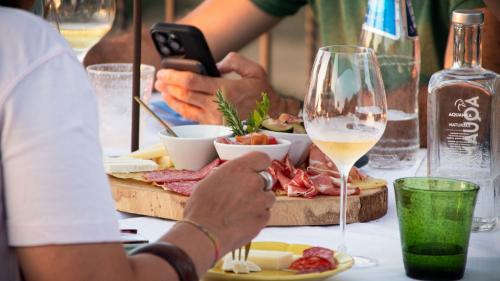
[(108, 262), (228, 25), (187, 237)]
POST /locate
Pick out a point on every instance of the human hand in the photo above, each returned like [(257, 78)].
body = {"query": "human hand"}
[(192, 95), (231, 202)]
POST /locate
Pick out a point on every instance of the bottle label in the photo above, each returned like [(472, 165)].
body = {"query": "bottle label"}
[(383, 18), (464, 125)]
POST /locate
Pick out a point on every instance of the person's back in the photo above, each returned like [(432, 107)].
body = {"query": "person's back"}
[(19, 51), (33, 57)]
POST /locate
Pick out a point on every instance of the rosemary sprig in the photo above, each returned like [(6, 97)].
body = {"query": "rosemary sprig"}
[(230, 114)]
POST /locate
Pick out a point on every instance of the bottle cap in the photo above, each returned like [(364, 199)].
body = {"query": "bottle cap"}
[(467, 17)]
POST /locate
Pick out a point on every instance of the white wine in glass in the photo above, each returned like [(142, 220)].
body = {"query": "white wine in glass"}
[(81, 22), (345, 113)]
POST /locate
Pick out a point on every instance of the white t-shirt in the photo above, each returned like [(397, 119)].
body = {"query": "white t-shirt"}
[(53, 189)]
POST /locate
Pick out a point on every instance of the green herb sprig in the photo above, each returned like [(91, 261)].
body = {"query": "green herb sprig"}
[(256, 117), (230, 114), (232, 119)]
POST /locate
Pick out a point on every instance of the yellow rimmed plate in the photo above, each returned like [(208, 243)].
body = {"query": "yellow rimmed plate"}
[(345, 262)]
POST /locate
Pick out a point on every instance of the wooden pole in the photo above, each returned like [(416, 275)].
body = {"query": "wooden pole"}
[(311, 39), (136, 76), (265, 52), (169, 10)]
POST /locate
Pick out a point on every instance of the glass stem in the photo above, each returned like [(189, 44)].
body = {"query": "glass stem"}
[(343, 210)]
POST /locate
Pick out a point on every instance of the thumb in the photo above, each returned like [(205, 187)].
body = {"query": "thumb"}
[(234, 62)]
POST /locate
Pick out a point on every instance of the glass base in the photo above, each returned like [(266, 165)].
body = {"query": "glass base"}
[(483, 224), (364, 262)]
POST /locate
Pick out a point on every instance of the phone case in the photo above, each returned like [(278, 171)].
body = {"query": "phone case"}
[(178, 41)]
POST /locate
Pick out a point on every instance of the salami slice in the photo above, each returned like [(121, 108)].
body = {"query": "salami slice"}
[(312, 264), (319, 252), (185, 188), (172, 175)]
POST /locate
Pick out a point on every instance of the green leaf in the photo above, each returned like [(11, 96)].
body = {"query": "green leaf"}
[(255, 118)]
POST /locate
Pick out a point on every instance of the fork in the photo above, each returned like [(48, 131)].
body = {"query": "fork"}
[(247, 251)]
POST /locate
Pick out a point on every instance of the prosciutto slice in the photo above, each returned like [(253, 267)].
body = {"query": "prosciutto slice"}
[(172, 175), (301, 185), (319, 163), (320, 177)]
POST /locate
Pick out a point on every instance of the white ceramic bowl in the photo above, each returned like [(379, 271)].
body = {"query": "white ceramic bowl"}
[(299, 149), (231, 151), (194, 147)]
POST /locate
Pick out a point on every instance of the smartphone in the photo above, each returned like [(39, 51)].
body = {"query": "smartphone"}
[(183, 47)]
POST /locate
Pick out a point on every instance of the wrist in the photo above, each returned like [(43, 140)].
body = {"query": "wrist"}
[(195, 243), (207, 234)]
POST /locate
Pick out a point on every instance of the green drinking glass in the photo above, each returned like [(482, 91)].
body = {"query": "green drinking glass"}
[(435, 216)]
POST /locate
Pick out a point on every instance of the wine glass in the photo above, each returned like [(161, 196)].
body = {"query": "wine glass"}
[(345, 113), (81, 22)]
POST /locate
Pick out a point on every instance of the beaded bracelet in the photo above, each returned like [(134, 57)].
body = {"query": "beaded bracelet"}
[(208, 234), (175, 256)]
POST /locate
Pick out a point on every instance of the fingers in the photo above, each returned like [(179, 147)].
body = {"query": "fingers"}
[(197, 99), (186, 110), (269, 200), (234, 62), (187, 80), (256, 161)]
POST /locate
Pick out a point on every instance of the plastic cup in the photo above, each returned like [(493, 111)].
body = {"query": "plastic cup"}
[(435, 217), (113, 87)]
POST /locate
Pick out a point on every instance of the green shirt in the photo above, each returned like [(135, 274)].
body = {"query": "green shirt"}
[(340, 22)]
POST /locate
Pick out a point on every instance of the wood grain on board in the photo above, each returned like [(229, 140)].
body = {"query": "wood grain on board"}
[(145, 199)]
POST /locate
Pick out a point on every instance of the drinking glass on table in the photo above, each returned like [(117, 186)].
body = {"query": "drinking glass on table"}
[(345, 113), (81, 22), (113, 88)]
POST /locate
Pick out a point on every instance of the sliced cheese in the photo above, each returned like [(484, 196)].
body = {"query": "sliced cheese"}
[(240, 267), (163, 162), (154, 151), (128, 165), (270, 260)]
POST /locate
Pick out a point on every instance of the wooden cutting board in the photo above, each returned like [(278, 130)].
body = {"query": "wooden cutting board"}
[(145, 199)]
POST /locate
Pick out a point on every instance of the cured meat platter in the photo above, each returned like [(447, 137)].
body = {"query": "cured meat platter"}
[(142, 198)]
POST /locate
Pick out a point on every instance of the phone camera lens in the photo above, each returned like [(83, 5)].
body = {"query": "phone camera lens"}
[(160, 38), (174, 45), (165, 50)]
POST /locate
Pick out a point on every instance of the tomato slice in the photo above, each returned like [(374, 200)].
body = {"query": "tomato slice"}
[(271, 140)]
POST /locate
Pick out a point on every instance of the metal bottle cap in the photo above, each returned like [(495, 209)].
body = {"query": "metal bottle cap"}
[(467, 17)]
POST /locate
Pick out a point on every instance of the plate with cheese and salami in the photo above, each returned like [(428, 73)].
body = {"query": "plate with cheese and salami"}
[(282, 261)]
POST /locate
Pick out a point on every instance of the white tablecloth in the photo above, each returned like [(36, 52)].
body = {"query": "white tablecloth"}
[(378, 239)]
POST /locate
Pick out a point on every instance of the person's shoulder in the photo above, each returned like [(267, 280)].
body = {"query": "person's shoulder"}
[(25, 39), (34, 33)]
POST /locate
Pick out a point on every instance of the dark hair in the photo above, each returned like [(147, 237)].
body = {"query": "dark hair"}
[(20, 4), (10, 3)]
